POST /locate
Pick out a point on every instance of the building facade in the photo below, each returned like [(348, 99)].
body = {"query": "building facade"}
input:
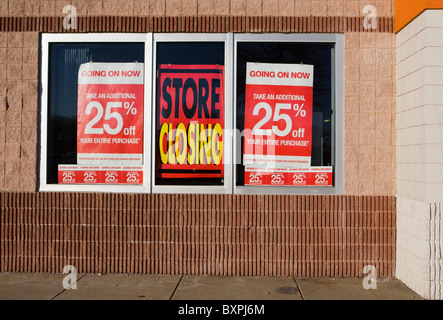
[(367, 193)]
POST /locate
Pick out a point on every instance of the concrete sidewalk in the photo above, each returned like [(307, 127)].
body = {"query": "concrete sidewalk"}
[(27, 286)]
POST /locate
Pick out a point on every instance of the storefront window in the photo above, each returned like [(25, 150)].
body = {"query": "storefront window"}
[(94, 114), (203, 113), (191, 147), (190, 113), (285, 108), (288, 114)]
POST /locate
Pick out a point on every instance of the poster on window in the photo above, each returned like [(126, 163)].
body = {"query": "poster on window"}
[(109, 125), (190, 121), (278, 124), (110, 114)]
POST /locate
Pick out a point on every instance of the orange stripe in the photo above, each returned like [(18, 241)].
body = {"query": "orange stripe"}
[(408, 10)]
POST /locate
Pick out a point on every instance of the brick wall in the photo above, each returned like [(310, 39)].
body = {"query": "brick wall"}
[(303, 236), (370, 132), (369, 67), (195, 234), (352, 8), (18, 110)]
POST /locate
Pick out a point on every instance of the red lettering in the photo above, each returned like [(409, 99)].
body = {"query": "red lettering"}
[(300, 75), (94, 73), (131, 73), (262, 74)]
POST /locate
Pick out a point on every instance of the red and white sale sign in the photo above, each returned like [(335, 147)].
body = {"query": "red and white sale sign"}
[(313, 176), (109, 125), (278, 118), (110, 114), (80, 174)]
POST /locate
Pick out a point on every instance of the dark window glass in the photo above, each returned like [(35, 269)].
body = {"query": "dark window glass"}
[(64, 62), (190, 58), (318, 55)]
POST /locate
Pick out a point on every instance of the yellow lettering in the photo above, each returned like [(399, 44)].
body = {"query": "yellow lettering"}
[(217, 145), (163, 133), (180, 144), (192, 155), (196, 144), (171, 146)]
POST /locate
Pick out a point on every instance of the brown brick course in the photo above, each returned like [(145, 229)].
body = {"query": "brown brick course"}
[(304, 236), (196, 24)]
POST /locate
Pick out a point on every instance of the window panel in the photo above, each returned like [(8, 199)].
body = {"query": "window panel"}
[(288, 118), (190, 144)]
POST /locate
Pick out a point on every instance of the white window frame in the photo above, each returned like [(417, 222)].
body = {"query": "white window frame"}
[(227, 137), (231, 147), (337, 92), (48, 39)]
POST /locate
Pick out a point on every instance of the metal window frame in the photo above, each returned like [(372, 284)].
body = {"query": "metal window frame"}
[(337, 128), (48, 39)]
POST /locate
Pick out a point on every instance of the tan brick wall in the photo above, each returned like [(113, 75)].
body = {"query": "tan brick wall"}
[(196, 7), (18, 110), (370, 132)]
